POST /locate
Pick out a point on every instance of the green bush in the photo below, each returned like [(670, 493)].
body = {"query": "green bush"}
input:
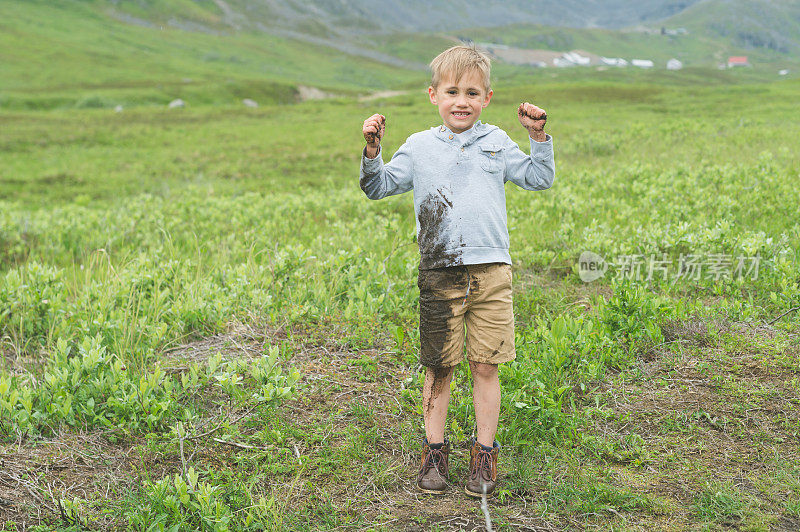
[(632, 317), (31, 299), (89, 387)]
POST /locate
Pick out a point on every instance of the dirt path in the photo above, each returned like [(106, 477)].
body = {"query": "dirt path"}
[(382, 94)]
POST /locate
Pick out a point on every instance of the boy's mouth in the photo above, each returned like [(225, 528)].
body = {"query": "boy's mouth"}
[(459, 114)]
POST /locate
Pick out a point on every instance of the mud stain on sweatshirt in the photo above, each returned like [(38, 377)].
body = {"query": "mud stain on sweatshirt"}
[(434, 232)]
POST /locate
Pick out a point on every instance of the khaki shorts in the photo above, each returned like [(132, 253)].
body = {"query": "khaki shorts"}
[(476, 295)]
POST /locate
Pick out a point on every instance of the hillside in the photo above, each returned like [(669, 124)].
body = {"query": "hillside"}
[(770, 28), (323, 17), (710, 30), (101, 53), (73, 53), (696, 48)]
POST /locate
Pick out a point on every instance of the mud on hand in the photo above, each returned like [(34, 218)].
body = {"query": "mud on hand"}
[(531, 116), (377, 126)]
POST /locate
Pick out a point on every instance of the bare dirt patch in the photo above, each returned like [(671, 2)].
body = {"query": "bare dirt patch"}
[(35, 477), (305, 93), (239, 341), (379, 95), (710, 411)]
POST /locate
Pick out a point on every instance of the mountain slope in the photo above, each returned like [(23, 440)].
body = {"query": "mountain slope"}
[(768, 31), (769, 26), (54, 53), (320, 17), (100, 53), (717, 28)]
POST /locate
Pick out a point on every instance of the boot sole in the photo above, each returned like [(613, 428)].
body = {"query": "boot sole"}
[(477, 495), (432, 492)]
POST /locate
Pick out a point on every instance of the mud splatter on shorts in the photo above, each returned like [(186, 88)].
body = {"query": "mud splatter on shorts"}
[(473, 299)]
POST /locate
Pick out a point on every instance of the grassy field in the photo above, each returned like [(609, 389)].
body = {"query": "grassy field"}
[(73, 54), (204, 323)]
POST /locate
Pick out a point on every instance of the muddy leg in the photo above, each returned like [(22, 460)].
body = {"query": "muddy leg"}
[(486, 396), (435, 399)]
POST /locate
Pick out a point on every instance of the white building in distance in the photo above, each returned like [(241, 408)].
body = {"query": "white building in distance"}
[(614, 61), (674, 64), (577, 58), (642, 63)]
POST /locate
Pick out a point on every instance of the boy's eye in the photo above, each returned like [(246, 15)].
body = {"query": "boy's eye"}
[(451, 92), (473, 93)]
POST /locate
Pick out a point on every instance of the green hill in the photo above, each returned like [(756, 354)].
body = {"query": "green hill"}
[(73, 53), (768, 29), (99, 53), (703, 35), (335, 17)]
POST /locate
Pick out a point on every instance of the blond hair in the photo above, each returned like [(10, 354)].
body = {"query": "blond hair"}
[(457, 61)]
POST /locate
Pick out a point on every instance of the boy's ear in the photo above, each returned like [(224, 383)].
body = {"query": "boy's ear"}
[(488, 98), (432, 95)]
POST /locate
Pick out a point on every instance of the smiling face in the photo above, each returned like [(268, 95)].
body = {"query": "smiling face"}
[(460, 103)]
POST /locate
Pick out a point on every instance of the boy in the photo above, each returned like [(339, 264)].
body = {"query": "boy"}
[(457, 172)]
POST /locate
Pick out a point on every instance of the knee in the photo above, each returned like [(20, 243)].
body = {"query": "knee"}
[(440, 374), (481, 371)]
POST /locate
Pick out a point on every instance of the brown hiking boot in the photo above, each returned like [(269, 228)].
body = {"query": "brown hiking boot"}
[(482, 469), (432, 477)]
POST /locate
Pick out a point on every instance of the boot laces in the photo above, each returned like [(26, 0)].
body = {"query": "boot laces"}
[(433, 459), (483, 465)]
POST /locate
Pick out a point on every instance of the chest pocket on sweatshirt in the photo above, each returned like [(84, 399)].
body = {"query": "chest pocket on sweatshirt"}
[(491, 158)]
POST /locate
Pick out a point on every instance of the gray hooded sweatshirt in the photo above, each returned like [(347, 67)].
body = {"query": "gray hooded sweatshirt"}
[(459, 195)]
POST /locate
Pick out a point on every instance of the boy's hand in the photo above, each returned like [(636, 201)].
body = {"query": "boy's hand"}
[(373, 130), (533, 119)]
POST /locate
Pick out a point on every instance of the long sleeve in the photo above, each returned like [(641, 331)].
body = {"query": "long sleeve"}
[(536, 171), (379, 181)]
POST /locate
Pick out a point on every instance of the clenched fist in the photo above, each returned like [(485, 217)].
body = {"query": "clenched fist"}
[(533, 119), (373, 130)]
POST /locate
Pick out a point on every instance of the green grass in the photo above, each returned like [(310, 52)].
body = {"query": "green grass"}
[(719, 503), (72, 54), (135, 246)]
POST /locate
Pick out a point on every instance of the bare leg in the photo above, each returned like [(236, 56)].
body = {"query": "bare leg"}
[(486, 396), (435, 399)]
